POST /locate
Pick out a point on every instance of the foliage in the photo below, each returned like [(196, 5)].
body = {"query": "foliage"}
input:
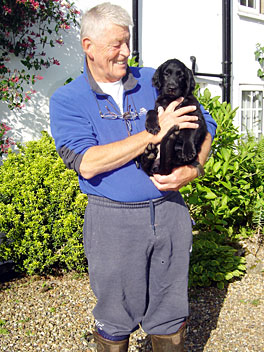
[(259, 55), (26, 28), (258, 206), (222, 201), (213, 262), (5, 142), (41, 210), (132, 62), (41, 207)]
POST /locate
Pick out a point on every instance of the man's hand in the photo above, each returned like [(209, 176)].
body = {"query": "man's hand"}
[(181, 176), (171, 117)]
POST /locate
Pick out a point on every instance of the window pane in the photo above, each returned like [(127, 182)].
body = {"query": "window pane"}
[(246, 99), (257, 120), (243, 2), (252, 112), (261, 6), (252, 4)]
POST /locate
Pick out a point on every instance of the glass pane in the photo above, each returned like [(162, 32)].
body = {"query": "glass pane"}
[(251, 3), (257, 120), (245, 123), (260, 100), (246, 97), (243, 2)]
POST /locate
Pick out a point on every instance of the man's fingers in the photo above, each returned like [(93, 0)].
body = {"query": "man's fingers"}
[(183, 125), (184, 110), (160, 110), (172, 106)]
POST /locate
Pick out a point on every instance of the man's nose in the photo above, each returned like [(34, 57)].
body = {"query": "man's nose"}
[(125, 50)]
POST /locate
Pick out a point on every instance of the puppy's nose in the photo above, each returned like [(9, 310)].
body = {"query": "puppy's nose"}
[(171, 86)]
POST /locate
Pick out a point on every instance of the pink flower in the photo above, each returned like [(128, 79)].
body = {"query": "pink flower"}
[(30, 40), (7, 10), (15, 79), (65, 26), (39, 77), (56, 62)]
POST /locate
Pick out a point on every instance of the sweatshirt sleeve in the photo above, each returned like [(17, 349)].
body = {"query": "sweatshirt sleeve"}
[(70, 128), (210, 122)]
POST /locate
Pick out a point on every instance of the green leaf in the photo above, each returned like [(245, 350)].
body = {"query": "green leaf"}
[(217, 166), (229, 276), (210, 195), (226, 153), (221, 285)]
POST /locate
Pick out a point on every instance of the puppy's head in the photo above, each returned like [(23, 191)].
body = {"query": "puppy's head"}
[(174, 78)]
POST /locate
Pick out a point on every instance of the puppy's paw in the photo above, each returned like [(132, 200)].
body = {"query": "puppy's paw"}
[(173, 132), (153, 129), (151, 151), (152, 124), (189, 152)]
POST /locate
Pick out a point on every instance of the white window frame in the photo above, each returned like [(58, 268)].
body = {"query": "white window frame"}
[(256, 12), (251, 111)]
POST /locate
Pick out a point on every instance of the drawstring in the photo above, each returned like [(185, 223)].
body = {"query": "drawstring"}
[(152, 216)]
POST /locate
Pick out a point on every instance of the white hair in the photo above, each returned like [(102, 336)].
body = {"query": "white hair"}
[(95, 20)]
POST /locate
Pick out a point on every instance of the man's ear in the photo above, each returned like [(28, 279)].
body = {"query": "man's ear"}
[(87, 46)]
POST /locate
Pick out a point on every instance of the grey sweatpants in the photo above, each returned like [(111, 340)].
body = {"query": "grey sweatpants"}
[(138, 258)]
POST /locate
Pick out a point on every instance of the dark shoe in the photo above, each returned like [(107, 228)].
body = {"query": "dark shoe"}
[(104, 345), (169, 343)]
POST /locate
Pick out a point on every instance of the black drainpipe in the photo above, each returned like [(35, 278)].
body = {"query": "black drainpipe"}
[(226, 57), (226, 43), (135, 52)]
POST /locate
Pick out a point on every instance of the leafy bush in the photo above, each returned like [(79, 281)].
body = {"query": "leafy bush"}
[(41, 210), (213, 262), (223, 200)]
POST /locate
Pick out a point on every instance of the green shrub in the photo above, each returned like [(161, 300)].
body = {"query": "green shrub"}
[(213, 262), (223, 203), (224, 199), (41, 210)]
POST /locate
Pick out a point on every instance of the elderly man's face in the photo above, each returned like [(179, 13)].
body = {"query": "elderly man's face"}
[(109, 54)]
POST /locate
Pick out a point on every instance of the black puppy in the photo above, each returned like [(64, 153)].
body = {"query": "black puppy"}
[(178, 147)]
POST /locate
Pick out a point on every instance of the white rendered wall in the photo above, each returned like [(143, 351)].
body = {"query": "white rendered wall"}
[(28, 122), (167, 29)]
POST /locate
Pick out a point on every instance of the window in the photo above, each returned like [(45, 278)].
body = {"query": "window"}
[(251, 119), (252, 6)]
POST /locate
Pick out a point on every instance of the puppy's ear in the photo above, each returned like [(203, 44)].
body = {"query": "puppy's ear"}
[(190, 81), (156, 78)]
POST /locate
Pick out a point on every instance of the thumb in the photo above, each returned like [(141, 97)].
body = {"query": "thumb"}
[(160, 110)]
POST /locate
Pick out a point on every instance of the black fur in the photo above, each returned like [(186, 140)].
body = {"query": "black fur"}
[(178, 147)]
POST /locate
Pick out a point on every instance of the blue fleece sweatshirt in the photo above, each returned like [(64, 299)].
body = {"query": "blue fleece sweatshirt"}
[(76, 125)]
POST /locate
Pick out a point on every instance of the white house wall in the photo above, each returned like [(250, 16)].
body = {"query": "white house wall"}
[(167, 29)]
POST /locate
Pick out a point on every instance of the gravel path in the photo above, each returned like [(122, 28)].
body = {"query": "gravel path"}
[(53, 314)]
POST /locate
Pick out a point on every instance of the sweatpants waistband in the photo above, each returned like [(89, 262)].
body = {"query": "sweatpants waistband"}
[(106, 202)]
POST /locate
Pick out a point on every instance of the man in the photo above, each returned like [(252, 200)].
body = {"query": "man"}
[(137, 230)]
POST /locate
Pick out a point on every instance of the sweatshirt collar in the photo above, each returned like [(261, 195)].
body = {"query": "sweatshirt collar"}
[(128, 80)]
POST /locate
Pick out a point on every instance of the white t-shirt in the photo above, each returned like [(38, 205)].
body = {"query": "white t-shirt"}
[(114, 89)]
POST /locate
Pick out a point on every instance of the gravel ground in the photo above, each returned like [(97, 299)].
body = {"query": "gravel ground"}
[(53, 314)]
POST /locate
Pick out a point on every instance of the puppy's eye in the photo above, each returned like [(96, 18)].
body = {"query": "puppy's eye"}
[(167, 73)]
